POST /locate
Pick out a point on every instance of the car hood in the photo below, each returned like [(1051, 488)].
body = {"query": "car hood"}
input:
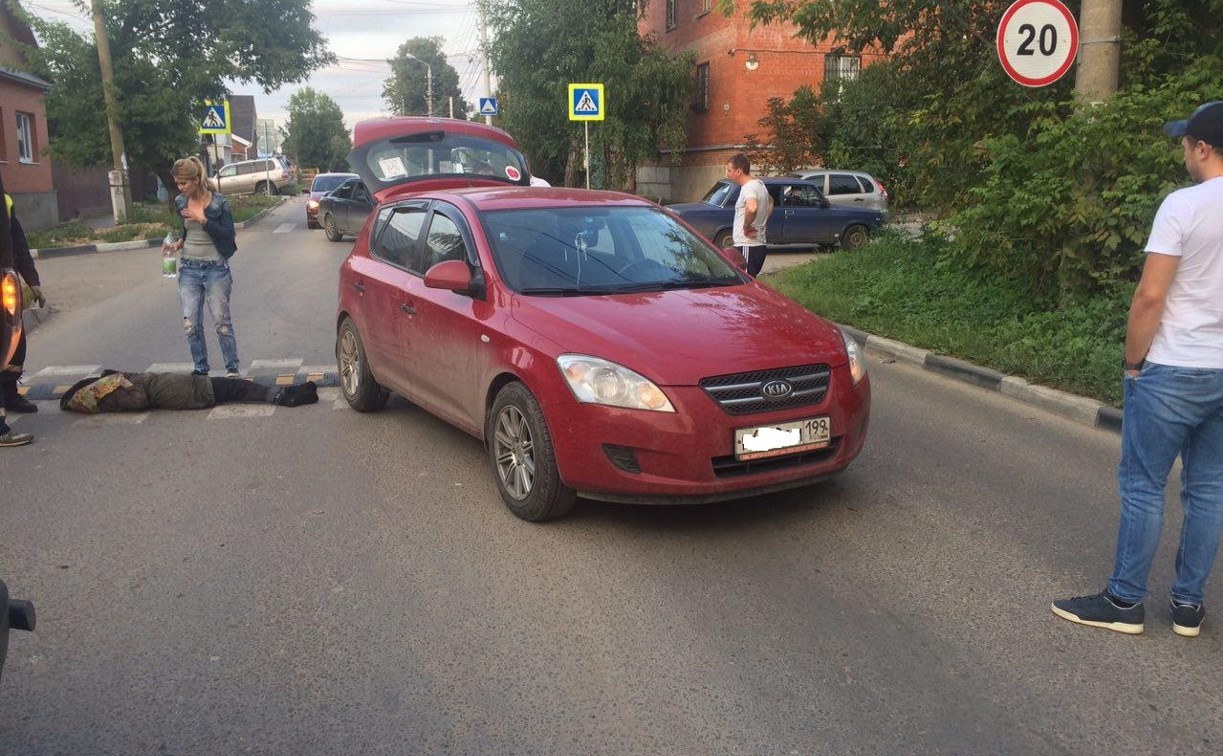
[(676, 338)]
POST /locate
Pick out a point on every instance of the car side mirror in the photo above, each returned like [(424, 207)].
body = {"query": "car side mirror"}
[(451, 275), (305, 190), (15, 615), (824, 203)]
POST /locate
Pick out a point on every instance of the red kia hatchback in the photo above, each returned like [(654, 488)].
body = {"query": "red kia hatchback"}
[(595, 343)]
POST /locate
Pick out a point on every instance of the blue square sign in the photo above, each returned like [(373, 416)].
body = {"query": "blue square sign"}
[(488, 106), (586, 102)]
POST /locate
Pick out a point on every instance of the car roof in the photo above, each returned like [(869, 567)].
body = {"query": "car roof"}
[(336, 173), (485, 198)]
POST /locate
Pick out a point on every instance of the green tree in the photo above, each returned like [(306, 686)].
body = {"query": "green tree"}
[(316, 133), (797, 131), (169, 56), (406, 88), (541, 46)]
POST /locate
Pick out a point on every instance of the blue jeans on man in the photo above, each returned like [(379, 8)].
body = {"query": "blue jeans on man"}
[(211, 282), (1170, 411)]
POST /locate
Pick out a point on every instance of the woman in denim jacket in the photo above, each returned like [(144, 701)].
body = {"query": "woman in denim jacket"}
[(206, 244)]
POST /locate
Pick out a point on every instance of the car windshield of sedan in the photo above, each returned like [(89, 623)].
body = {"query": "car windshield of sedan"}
[(719, 193), (436, 154), (576, 251)]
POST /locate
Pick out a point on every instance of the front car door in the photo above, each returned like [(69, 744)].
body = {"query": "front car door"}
[(443, 335), (805, 219)]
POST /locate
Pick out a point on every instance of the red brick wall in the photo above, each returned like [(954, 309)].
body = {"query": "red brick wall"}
[(23, 178)]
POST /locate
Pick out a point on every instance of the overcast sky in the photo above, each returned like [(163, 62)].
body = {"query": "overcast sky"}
[(355, 30)]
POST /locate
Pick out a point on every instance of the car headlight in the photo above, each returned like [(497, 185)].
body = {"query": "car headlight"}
[(311, 204), (857, 360), (596, 381)]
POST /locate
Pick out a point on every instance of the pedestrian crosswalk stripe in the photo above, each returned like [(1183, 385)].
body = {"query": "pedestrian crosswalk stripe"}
[(285, 228), (171, 367), (229, 411), (81, 370), (265, 364), (111, 418)]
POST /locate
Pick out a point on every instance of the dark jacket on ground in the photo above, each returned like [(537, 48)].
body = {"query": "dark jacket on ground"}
[(151, 391), (219, 223)]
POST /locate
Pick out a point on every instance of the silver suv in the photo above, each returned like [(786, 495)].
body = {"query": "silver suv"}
[(847, 188), (266, 176)]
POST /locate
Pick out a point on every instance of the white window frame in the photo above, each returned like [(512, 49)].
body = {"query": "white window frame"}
[(672, 14), (25, 137)]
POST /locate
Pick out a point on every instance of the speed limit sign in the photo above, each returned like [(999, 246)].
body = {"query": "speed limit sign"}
[(1037, 41)]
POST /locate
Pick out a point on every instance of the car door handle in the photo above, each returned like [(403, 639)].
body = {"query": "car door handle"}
[(859, 199), (789, 212), (359, 287), (407, 308)]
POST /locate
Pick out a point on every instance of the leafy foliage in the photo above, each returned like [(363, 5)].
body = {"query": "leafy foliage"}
[(168, 56), (317, 136), (543, 45), (798, 134), (406, 89)]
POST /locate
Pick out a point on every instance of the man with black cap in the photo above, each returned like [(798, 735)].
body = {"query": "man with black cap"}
[(1173, 376)]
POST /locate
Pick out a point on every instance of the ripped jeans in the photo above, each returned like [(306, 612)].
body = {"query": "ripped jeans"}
[(200, 281)]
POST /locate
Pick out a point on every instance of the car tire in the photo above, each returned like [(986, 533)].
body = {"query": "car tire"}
[(724, 239), (356, 381), (263, 187), (522, 456), (854, 237), (333, 231)]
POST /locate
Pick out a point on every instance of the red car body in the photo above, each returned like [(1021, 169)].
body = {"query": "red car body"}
[(453, 352)]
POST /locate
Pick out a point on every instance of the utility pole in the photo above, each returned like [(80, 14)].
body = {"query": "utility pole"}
[(1099, 51), (120, 192), (488, 89)]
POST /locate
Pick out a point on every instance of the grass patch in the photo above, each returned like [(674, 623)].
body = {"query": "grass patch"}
[(247, 206), (903, 289)]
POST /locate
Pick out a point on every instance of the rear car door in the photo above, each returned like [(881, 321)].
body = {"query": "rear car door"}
[(805, 219), (387, 278), (442, 335), (845, 190)]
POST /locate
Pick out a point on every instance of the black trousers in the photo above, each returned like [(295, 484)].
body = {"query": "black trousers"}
[(754, 255)]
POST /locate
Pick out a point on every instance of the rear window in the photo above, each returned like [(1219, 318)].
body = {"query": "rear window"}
[(327, 183), (843, 183), (438, 154)]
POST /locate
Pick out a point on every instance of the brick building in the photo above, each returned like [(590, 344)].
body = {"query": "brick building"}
[(738, 69), (23, 127)]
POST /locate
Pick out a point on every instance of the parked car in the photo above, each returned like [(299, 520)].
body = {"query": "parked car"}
[(265, 175), (594, 342), (343, 210), (802, 216), (847, 188), (322, 184)]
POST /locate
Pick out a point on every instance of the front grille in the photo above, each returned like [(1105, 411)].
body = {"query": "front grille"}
[(741, 394), (729, 467)]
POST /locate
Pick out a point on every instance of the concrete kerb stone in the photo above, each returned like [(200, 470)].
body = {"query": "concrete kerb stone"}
[(1078, 408), (135, 244)]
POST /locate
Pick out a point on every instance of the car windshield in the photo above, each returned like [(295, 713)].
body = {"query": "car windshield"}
[(718, 194), (568, 251), (434, 154), (327, 183)]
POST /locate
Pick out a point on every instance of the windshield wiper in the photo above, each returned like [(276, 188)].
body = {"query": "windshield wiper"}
[(561, 291), (672, 285)]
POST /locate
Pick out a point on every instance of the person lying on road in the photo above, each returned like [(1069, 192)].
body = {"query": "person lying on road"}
[(117, 391)]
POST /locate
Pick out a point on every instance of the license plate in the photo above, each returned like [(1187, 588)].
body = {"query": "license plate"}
[(784, 438)]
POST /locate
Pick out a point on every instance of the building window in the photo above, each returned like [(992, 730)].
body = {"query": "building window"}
[(702, 88), (706, 6), (25, 137), (841, 67), (671, 14)]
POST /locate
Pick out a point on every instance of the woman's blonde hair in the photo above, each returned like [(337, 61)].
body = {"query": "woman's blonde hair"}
[(190, 168)]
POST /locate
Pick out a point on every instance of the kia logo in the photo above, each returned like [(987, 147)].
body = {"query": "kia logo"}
[(776, 389)]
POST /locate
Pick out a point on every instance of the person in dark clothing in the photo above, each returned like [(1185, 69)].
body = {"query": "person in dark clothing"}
[(8, 437), (117, 391), (23, 262)]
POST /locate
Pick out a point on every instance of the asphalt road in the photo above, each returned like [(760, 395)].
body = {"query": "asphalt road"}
[(315, 580)]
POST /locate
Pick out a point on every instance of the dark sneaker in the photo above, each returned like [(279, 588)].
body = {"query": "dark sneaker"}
[(19, 403), (12, 438), (1187, 619), (1101, 610), (199, 372)]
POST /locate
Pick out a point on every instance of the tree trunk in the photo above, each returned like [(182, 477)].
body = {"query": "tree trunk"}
[(572, 161)]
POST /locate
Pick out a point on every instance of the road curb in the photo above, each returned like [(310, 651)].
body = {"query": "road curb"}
[(1077, 408), (135, 243)]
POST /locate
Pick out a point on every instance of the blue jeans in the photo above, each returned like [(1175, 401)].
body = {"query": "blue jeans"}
[(1170, 411), (207, 281)]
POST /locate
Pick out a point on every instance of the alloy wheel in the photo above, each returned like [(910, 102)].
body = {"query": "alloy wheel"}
[(514, 452), (350, 363)]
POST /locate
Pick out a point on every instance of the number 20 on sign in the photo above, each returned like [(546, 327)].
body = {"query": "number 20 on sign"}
[(1037, 41)]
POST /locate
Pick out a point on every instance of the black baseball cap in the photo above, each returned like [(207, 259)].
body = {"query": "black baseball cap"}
[(1206, 124)]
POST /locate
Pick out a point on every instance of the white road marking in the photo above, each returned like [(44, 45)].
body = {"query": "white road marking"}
[(112, 418), (171, 367), (64, 370), (277, 364), (285, 228), (230, 411)]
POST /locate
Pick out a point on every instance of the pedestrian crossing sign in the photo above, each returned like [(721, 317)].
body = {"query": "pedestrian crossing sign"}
[(216, 118), (586, 102), (488, 106)]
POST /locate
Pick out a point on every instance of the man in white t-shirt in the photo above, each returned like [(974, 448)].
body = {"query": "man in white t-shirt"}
[(752, 211), (1173, 369)]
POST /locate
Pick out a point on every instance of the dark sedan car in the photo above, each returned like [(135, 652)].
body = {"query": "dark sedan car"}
[(345, 209), (322, 184), (802, 216)]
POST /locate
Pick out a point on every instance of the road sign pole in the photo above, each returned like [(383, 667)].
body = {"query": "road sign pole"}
[(587, 125)]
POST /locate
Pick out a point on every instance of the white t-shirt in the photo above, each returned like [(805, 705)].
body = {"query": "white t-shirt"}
[(1189, 225), (753, 188)]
